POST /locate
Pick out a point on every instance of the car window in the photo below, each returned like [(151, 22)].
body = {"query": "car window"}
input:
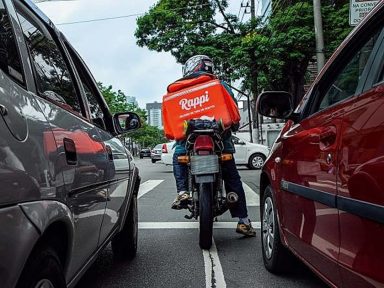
[(158, 146), (346, 82), (96, 111), (9, 57), (235, 140), (52, 76), (381, 77)]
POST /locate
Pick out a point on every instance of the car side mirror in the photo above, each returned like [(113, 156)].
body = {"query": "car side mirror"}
[(125, 122), (240, 142), (275, 104)]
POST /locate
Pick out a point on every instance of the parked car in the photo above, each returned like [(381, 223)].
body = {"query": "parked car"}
[(145, 152), (156, 153), (250, 154), (167, 151), (68, 185), (322, 187)]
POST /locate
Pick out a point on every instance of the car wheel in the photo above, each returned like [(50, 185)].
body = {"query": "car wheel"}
[(124, 244), (153, 160), (276, 256), (256, 161), (42, 270), (141, 157)]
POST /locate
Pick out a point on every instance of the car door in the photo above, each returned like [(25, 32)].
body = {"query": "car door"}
[(311, 153), (81, 154), (119, 172), (27, 173), (361, 188)]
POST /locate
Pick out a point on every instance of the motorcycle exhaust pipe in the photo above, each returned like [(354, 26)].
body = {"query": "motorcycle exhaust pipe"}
[(232, 198)]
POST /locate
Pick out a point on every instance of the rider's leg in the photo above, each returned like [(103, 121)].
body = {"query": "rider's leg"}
[(180, 171), (232, 182)]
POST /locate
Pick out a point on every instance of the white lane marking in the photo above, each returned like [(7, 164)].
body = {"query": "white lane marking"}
[(190, 225), (252, 197), (148, 186), (214, 276)]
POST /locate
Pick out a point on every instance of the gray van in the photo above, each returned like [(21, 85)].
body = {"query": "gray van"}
[(68, 186)]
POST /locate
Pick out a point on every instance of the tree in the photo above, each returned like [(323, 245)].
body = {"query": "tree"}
[(146, 135), (272, 55)]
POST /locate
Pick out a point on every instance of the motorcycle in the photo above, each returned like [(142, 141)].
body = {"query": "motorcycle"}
[(208, 198)]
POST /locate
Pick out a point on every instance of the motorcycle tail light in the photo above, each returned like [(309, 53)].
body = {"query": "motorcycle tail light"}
[(226, 157), (164, 149), (183, 159), (203, 144)]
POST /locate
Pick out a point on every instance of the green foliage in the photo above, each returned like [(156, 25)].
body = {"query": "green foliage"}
[(272, 55), (146, 135)]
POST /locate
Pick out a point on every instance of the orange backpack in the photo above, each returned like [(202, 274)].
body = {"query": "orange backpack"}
[(202, 97)]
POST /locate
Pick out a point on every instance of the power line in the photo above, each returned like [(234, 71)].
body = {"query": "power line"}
[(241, 6), (127, 16), (101, 19)]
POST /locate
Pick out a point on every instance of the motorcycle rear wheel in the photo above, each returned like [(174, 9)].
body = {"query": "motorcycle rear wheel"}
[(205, 215)]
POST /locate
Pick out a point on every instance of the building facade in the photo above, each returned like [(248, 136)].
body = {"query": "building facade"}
[(131, 100), (154, 114)]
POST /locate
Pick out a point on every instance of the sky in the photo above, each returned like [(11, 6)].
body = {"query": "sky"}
[(109, 47)]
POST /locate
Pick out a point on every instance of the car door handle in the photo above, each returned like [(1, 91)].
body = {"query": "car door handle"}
[(70, 151), (3, 110), (327, 138)]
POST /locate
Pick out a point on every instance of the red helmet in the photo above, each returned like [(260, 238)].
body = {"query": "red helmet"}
[(198, 63)]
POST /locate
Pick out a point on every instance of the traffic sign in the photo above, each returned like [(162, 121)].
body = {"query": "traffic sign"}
[(359, 9)]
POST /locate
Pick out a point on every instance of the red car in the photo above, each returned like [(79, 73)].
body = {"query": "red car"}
[(322, 187)]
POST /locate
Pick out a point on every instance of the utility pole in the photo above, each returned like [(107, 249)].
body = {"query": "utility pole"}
[(319, 35), (249, 111), (253, 10)]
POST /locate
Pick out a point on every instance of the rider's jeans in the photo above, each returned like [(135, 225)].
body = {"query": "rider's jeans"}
[(232, 183)]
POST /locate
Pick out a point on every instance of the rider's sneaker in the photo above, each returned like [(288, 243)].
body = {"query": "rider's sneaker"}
[(246, 230), (179, 200)]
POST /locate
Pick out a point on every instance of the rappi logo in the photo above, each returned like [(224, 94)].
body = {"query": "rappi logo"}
[(188, 104)]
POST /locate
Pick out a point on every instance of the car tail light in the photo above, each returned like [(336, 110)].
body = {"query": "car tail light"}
[(203, 145), (164, 149)]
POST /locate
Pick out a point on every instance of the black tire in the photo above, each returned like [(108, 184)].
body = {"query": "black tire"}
[(153, 160), (42, 267), (205, 215), (256, 161), (124, 244), (141, 157), (276, 256)]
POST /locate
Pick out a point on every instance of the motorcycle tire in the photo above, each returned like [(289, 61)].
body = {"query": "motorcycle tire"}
[(205, 215)]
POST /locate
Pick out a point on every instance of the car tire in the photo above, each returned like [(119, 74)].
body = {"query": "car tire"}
[(124, 244), (276, 256), (153, 160), (43, 269), (256, 161), (141, 157)]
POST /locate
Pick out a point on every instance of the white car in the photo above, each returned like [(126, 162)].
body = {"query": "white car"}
[(251, 154), (247, 153), (167, 153)]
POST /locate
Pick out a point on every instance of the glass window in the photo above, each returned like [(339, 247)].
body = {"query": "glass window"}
[(346, 82), (381, 78), (96, 112), (9, 57), (53, 79), (94, 106)]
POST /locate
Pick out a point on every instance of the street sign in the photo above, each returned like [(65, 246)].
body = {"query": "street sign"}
[(358, 9)]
